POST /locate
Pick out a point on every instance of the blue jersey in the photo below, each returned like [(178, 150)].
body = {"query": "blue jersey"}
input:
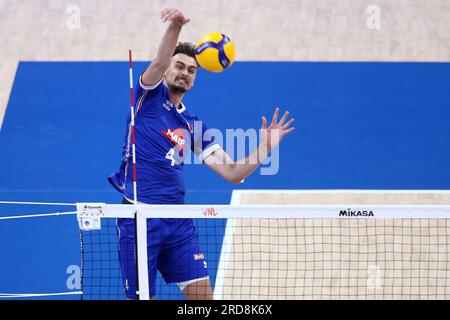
[(163, 132)]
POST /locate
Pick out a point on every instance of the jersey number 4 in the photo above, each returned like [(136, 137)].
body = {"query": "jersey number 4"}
[(170, 155)]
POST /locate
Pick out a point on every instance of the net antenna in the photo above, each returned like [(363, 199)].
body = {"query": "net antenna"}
[(141, 265), (133, 135)]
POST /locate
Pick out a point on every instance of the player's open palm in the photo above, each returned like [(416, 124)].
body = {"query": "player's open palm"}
[(174, 16), (272, 135)]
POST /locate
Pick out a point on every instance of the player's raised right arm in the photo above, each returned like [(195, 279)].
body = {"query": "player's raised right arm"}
[(159, 65)]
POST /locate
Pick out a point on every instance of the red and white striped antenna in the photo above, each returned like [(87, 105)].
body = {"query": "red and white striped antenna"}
[(133, 136)]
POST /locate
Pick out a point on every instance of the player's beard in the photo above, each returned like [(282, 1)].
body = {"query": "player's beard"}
[(177, 88)]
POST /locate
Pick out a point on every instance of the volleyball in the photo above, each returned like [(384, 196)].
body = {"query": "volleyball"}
[(215, 52)]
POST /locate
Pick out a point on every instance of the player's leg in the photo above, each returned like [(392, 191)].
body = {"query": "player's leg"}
[(197, 290), (181, 260)]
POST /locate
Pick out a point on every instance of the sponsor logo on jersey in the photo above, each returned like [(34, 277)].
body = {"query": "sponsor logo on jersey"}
[(176, 137), (168, 105)]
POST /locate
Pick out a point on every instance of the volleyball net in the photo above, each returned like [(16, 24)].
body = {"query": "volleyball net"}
[(359, 249), (285, 245)]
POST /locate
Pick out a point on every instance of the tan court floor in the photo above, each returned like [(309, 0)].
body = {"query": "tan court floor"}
[(293, 30)]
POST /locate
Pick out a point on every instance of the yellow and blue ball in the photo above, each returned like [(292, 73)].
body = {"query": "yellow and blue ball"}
[(215, 52)]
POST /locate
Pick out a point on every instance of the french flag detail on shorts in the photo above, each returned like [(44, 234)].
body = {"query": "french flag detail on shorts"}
[(199, 256)]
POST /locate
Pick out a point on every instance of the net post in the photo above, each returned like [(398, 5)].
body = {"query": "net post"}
[(141, 256)]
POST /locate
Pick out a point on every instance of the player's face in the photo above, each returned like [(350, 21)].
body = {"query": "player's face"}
[(180, 75)]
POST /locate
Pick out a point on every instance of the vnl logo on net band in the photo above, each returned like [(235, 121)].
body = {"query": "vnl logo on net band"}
[(238, 143), (210, 212)]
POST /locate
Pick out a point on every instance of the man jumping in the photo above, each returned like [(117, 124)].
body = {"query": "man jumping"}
[(162, 124)]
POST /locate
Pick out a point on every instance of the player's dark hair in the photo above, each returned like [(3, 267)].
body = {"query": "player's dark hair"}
[(186, 48)]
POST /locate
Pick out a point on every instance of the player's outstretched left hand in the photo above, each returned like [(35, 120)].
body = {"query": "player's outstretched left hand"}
[(276, 131)]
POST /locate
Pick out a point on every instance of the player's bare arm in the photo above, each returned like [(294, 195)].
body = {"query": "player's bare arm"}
[(271, 136), (161, 62)]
